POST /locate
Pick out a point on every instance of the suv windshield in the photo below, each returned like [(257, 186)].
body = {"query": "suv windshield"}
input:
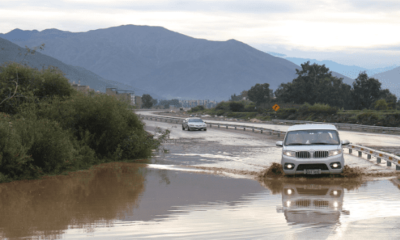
[(195, 120), (312, 137)]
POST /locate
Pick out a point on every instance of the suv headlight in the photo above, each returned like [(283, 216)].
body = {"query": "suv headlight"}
[(334, 152), (289, 153)]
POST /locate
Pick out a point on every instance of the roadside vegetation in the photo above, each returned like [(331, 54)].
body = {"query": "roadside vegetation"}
[(47, 127), (315, 95)]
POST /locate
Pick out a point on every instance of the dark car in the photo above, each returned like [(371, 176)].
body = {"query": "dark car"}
[(194, 124)]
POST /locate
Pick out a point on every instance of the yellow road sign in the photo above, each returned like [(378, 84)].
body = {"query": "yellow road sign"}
[(276, 107)]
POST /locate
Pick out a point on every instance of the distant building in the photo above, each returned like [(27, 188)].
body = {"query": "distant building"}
[(125, 95), (81, 88), (138, 102), (194, 103)]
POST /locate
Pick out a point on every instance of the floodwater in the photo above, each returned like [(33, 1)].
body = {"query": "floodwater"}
[(203, 186), (135, 201)]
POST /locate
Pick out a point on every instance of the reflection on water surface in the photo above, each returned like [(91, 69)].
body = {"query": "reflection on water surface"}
[(83, 199), (129, 201), (312, 203)]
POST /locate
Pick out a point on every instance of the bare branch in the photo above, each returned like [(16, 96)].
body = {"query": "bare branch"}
[(15, 90)]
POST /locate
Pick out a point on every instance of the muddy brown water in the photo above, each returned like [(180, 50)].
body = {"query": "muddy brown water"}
[(136, 201)]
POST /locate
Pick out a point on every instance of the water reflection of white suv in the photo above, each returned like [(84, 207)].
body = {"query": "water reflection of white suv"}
[(312, 203), (312, 149)]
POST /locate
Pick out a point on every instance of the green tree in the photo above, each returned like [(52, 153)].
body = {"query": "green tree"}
[(235, 97), (315, 84), (236, 106), (147, 101), (259, 93), (389, 97), (241, 96), (381, 104), (365, 91)]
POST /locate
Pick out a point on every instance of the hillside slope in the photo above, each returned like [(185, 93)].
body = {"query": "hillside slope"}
[(10, 52), (165, 62), (390, 80)]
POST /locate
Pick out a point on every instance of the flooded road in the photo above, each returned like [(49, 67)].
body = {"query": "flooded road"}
[(130, 201), (237, 150), (361, 138), (202, 185)]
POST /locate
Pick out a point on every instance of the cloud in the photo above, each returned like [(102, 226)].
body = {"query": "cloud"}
[(373, 6), (314, 25)]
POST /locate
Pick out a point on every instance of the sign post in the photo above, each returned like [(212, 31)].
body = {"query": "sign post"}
[(276, 107)]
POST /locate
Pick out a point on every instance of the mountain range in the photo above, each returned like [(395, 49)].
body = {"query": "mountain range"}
[(163, 62), (349, 71)]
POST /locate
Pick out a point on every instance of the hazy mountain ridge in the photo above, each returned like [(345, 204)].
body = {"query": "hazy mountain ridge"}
[(10, 52), (388, 76), (346, 70), (169, 63), (390, 80)]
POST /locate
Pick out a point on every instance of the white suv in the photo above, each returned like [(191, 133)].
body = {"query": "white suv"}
[(312, 149)]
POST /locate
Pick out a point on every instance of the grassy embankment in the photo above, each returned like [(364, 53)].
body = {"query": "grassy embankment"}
[(316, 112), (48, 128)]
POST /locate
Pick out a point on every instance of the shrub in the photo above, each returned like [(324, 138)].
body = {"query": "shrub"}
[(14, 159), (392, 120), (197, 108), (285, 113), (251, 107), (317, 108), (223, 106), (32, 84), (381, 104), (32, 147), (105, 124), (367, 117), (54, 129), (236, 106)]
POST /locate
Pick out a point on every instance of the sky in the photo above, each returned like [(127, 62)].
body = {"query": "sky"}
[(351, 32)]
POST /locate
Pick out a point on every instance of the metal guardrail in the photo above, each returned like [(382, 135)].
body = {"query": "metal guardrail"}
[(218, 125), (339, 126), (344, 126), (389, 158), (379, 155)]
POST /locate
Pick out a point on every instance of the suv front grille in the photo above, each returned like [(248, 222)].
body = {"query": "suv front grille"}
[(321, 166), (303, 203), (321, 203), (303, 154), (321, 154)]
